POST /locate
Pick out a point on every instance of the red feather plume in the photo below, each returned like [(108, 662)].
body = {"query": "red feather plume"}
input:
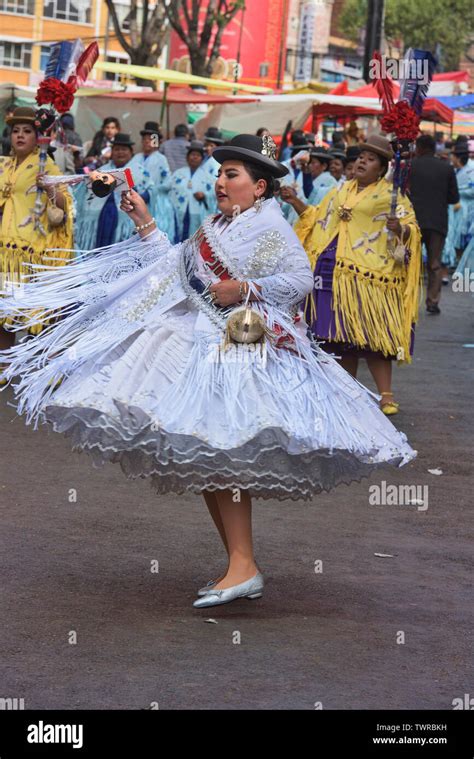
[(87, 61), (384, 87)]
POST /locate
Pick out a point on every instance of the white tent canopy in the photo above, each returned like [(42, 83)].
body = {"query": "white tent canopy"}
[(89, 112), (274, 112)]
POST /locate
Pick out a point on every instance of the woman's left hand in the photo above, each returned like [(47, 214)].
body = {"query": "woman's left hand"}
[(227, 292), (40, 181), (393, 225)]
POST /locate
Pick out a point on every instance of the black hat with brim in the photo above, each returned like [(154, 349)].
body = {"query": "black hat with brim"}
[(214, 135), (338, 154), (151, 127), (304, 146), (461, 148), (260, 151), (123, 139), (321, 154), (196, 146), (352, 153)]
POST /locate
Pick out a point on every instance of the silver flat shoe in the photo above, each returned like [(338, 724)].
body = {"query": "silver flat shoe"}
[(202, 591), (252, 588)]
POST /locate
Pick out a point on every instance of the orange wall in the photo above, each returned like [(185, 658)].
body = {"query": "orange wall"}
[(17, 76), (38, 28)]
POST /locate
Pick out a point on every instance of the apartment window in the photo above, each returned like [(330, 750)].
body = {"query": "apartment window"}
[(114, 59), (68, 10), (15, 55), (18, 6), (44, 56)]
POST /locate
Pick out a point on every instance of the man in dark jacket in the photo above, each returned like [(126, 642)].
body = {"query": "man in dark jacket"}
[(433, 187)]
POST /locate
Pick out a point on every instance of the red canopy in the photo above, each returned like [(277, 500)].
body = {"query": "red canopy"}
[(452, 76), (433, 109), (340, 89)]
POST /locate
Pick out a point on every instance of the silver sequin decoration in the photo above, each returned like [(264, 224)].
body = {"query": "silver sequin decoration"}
[(269, 249)]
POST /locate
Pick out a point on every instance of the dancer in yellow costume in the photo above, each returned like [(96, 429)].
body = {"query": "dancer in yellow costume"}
[(22, 240), (366, 294)]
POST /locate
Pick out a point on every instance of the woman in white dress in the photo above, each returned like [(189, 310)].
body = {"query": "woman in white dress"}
[(147, 384)]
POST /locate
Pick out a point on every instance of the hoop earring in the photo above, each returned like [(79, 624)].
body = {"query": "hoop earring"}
[(258, 204)]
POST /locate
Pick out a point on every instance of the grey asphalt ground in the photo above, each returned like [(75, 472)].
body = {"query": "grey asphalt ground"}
[(331, 638)]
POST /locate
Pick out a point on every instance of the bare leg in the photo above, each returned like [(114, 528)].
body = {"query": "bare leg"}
[(381, 371), (213, 506), (237, 522), (350, 363), (211, 502)]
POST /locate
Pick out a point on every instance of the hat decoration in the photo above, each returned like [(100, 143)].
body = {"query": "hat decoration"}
[(269, 147)]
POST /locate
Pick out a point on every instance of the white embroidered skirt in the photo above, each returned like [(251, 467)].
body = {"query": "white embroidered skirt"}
[(158, 398)]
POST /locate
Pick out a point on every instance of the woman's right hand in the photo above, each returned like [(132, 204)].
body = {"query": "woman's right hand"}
[(288, 194), (135, 207)]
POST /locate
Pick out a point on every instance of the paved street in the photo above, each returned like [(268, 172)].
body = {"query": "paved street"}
[(333, 637)]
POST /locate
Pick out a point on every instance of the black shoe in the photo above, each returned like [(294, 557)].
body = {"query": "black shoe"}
[(433, 308)]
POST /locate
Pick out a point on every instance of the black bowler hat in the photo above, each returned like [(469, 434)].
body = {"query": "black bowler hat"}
[(300, 142), (321, 154), (352, 153), (252, 149), (338, 154), (461, 148), (123, 139), (214, 135), (304, 146), (196, 145), (151, 127)]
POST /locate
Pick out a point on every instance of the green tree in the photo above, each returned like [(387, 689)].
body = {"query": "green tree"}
[(441, 26), (202, 37)]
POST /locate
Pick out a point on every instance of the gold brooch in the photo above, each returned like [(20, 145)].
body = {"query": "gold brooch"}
[(7, 190), (345, 213), (269, 147)]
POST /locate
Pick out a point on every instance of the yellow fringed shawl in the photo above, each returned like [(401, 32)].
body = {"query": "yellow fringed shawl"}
[(20, 242), (375, 299)]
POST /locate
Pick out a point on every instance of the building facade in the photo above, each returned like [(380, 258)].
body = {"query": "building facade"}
[(253, 44), (307, 40), (29, 27)]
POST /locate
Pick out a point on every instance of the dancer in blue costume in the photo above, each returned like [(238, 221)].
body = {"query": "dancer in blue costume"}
[(322, 180), (212, 140), (152, 165), (316, 182), (461, 215), (100, 221), (191, 193), (295, 176)]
